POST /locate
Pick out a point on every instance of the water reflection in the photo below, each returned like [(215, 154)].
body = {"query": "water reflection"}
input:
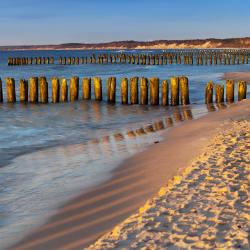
[(211, 107), (43, 179)]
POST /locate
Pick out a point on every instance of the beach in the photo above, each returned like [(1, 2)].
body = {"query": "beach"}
[(238, 76), (86, 141), (124, 131), (92, 214), (206, 206)]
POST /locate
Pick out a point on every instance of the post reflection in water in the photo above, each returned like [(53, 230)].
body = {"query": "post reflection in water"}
[(119, 136), (96, 109), (149, 129), (140, 131), (211, 107), (187, 113), (177, 116), (159, 125), (81, 160), (131, 133), (221, 105), (169, 122)]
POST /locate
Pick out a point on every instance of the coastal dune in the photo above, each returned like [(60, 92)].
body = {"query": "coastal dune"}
[(90, 215)]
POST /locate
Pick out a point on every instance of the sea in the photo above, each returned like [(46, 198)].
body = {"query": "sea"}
[(51, 153)]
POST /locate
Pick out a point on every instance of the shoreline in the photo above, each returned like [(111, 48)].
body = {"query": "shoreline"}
[(139, 48), (90, 215), (205, 206), (237, 76)]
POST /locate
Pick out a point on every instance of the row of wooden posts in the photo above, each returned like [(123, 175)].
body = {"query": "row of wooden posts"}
[(36, 90), (16, 61), (186, 58), (219, 91), (142, 90)]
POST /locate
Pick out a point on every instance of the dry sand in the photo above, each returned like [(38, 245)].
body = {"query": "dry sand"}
[(84, 219), (207, 206)]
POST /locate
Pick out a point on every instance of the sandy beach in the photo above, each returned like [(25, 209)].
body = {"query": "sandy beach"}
[(92, 214), (238, 76), (207, 205)]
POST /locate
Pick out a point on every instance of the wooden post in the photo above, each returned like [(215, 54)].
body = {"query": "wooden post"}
[(184, 90), (229, 90), (33, 89), (43, 89), (111, 89), (86, 88), (242, 90), (164, 93), (74, 88), (134, 90), (144, 91), (174, 88), (124, 90), (154, 91), (11, 91), (209, 93), (98, 88), (64, 90), (55, 89), (23, 90), (219, 93), (1, 91)]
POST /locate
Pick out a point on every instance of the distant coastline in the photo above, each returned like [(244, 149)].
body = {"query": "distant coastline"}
[(209, 43)]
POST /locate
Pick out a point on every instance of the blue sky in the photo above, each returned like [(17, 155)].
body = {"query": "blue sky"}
[(62, 21)]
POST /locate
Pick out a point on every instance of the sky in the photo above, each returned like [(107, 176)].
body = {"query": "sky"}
[(27, 22)]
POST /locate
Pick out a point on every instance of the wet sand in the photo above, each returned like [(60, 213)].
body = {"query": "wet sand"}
[(238, 76), (87, 217)]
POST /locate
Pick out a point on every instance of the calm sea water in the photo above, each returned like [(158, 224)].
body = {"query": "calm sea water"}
[(50, 153)]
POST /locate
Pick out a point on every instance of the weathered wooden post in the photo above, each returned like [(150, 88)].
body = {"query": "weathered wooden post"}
[(74, 88), (23, 90), (242, 90), (229, 90), (144, 91), (111, 89), (219, 93), (98, 88), (43, 89), (86, 88), (11, 91), (134, 90), (209, 93), (164, 93), (64, 90), (124, 91), (33, 89), (184, 90), (174, 88), (154, 91), (1, 91), (55, 89)]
